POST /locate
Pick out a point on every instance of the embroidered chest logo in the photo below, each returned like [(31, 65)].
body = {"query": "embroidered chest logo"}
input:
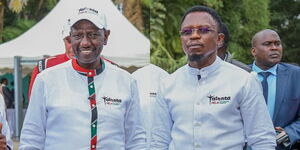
[(219, 100), (111, 101), (152, 94)]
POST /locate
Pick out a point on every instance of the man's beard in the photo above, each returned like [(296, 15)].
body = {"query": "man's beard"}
[(200, 57), (195, 57)]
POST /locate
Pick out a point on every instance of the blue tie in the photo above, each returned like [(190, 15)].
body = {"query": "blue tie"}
[(264, 84)]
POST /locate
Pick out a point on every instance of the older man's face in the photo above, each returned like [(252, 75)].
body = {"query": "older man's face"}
[(87, 43), (200, 37)]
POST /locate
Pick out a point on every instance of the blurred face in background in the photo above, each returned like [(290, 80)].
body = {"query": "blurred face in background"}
[(68, 47)]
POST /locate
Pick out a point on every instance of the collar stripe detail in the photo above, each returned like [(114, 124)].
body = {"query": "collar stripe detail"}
[(92, 98), (87, 72)]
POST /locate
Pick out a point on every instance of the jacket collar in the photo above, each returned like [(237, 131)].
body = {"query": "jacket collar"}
[(88, 72), (206, 71)]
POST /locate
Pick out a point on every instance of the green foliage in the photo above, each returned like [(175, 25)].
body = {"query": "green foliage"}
[(37, 9), (50, 4), (164, 36), (146, 4), (250, 25), (17, 23), (21, 26), (216, 4), (9, 17), (285, 19)]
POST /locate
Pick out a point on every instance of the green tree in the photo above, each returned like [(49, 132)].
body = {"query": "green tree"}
[(13, 5), (285, 19), (137, 12), (242, 25), (21, 15), (20, 26)]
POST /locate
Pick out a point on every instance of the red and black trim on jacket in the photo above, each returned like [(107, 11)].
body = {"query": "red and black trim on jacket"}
[(92, 97)]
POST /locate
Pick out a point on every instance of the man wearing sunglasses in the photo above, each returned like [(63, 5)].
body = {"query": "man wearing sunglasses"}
[(209, 104)]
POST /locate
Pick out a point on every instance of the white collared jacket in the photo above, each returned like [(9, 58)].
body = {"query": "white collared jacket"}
[(216, 108), (59, 113), (148, 78)]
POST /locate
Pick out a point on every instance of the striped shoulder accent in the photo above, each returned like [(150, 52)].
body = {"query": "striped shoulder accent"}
[(41, 65)]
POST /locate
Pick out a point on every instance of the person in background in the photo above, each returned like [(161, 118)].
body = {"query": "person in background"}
[(281, 86), (53, 60), (8, 94), (5, 139), (225, 55), (85, 103), (148, 78), (209, 104)]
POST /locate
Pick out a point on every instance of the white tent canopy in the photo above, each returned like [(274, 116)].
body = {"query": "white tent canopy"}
[(126, 45)]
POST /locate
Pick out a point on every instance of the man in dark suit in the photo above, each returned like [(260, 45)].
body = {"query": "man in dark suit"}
[(281, 85)]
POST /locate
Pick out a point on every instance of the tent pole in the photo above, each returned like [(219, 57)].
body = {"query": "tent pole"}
[(18, 95)]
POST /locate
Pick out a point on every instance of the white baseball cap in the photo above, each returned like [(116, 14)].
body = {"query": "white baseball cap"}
[(97, 17)]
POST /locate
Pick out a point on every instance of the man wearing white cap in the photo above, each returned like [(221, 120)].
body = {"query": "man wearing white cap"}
[(57, 59), (91, 105)]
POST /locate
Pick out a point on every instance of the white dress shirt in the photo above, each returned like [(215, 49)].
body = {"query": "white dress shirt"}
[(219, 111), (5, 128), (59, 115), (148, 78)]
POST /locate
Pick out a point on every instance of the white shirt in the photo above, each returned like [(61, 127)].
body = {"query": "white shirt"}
[(148, 78), (5, 128), (218, 112), (59, 115)]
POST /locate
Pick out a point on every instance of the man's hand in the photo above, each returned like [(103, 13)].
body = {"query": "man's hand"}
[(3, 145), (279, 129), (282, 137)]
